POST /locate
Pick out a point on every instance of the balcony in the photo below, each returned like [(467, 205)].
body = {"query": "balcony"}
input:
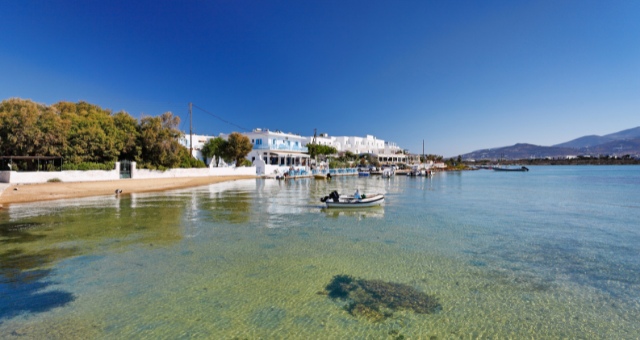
[(280, 147)]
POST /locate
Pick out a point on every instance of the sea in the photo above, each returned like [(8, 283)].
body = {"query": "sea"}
[(546, 254)]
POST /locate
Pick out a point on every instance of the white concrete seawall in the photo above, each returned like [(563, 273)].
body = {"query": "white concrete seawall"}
[(19, 177)]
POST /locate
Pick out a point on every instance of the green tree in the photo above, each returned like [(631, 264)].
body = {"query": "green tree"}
[(237, 148), (54, 131), (316, 149), (213, 149), (19, 133), (350, 156), (159, 140), (188, 161), (92, 133), (127, 135)]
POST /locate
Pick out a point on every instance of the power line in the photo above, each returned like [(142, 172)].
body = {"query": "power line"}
[(220, 118)]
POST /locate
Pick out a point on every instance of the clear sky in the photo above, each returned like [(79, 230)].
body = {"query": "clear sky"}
[(460, 75)]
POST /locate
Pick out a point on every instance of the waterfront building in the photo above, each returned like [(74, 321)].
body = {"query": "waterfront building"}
[(386, 152), (198, 143), (276, 152)]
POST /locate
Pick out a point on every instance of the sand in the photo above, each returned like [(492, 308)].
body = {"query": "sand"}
[(25, 193)]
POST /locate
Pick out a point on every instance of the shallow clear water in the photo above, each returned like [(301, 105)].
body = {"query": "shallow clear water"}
[(552, 253)]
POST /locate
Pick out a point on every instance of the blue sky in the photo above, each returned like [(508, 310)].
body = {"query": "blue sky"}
[(460, 75)]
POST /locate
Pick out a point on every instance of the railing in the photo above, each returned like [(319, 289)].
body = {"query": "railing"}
[(343, 171), (298, 172), (281, 147)]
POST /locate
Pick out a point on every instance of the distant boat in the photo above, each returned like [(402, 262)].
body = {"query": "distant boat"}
[(387, 172), (322, 176), (521, 169), (419, 171)]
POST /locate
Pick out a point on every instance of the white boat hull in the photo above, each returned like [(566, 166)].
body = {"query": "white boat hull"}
[(350, 202)]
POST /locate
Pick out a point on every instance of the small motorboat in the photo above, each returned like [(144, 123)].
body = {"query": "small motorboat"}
[(521, 169), (334, 200), (322, 176)]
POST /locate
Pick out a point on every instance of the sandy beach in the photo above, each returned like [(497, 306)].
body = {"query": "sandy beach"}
[(24, 193)]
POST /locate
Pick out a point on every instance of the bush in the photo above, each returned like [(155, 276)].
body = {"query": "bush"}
[(246, 162), (54, 180), (84, 166), (333, 164), (150, 166), (191, 162)]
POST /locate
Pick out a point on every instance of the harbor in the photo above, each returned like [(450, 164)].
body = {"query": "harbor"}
[(253, 258)]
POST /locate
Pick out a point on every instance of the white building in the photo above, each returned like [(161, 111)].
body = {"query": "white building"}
[(277, 152), (386, 152), (358, 145), (198, 143)]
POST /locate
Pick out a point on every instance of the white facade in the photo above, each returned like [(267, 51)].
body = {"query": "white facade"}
[(198, 143), (277, 151), (358, 145)]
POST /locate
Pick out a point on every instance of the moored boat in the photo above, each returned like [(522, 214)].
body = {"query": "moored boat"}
[(521, 169), (363, 173), (334, 200)]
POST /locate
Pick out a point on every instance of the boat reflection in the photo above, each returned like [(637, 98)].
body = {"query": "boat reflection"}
[(373, 212)]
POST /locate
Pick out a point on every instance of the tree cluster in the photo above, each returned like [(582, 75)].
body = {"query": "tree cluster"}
[(85, 133), (315, 150), (234, 149)]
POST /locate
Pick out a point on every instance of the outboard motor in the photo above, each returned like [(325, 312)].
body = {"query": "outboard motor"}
[(335, 196)]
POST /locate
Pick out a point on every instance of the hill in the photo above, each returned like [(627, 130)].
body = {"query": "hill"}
[(585, 142), (626, 142)]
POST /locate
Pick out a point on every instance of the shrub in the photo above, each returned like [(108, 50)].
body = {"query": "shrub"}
[(89, 166), (149, 166), (333, 164), (54, 180), (190, 162)]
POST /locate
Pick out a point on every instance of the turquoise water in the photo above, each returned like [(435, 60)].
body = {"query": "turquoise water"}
[(552, 253)]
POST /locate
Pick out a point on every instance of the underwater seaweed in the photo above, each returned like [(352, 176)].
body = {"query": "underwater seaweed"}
[(377, 300)]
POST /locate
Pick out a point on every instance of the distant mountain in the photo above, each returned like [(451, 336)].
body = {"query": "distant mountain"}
[(585, 142), (625, 134), (616, 147), (626, 142), (593, 140), (520, 151)]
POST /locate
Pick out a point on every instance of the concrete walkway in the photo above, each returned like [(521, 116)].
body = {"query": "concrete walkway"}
[(3, 186)]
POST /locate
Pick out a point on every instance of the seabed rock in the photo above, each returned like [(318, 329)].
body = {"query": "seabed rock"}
[(377, 300)]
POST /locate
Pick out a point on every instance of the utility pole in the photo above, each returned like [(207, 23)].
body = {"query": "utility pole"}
[(190, 131)]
